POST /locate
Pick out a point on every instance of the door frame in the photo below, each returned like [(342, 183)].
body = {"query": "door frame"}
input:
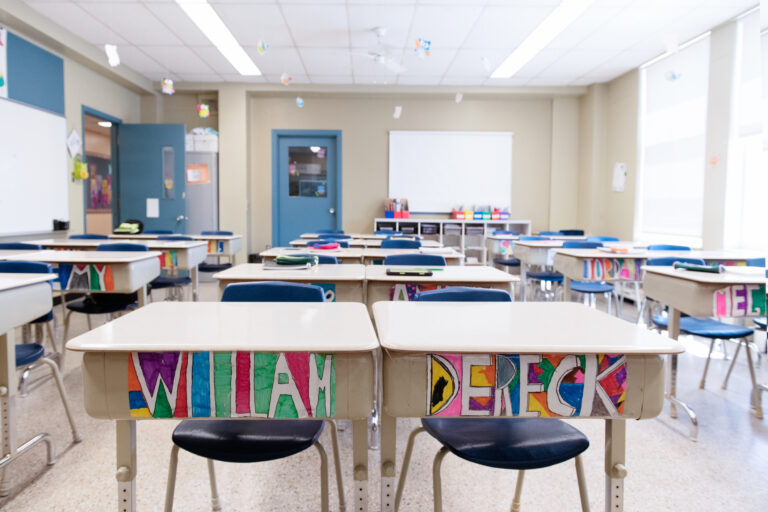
[(276, 135), (85, 110)]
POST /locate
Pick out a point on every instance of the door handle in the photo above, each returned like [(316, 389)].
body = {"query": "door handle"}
[(181, 218), (332, 211)]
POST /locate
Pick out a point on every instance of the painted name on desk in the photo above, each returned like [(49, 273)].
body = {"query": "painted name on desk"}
[(231, 384), (526, 385)]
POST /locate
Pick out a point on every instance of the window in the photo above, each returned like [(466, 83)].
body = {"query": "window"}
[(673, 113)]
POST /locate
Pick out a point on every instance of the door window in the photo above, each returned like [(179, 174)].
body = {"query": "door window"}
[(307, 171)]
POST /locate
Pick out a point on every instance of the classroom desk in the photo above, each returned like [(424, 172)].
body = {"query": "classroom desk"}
[(218, 245), (364, 242), (101, 271), (533, 252), (365, 236), (218, 339), (738, 292), (371, 255), (23, 298), (176, 254), (342, 283), (431, 342), (343, 255), (382, 287), (13, 253)]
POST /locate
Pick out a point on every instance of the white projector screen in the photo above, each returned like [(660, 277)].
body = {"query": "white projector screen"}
[(437, 171), (33, 169)]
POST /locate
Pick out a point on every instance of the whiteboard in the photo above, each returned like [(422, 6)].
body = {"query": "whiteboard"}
[(33, 169), (437, 171)]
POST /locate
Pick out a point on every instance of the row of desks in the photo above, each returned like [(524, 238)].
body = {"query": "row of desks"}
[(363, 255), (364, 242)]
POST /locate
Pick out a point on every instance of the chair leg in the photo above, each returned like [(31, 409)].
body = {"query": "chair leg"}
[(583, 495), (337, 465), (406, 463), (62, 393), (733, 362), (215, 501), (757, 390), (170, 487), (51, 337), (608, 299), (88, 318), (518, 491), (66, 327), (436, 481), (323, 477), (706, 365), (23, 392)]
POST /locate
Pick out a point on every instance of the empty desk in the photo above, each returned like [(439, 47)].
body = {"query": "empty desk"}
[(343, 255)]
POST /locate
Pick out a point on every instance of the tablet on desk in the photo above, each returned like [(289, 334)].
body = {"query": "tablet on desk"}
[(409, 272)]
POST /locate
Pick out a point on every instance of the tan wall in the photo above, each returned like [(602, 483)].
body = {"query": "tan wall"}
[(365, 121), (181, 108), (564, 182)]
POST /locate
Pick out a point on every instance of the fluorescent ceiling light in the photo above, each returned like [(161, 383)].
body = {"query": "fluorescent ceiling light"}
[(209, 22), (105, 124), (565, 14)]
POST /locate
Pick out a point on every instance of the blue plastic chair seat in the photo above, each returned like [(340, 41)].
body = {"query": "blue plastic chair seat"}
[(108, 303), (508, 443), (45, 318), (28, 353), (464, 294), (591, 287), (555, 277), (705, 327), (507, 262), (213, 267), (169, 282), (760, 322), (247, 440), (430, 260)]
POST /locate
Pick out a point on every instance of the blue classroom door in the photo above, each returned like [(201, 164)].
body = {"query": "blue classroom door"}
[(151, 185), (307, 178)]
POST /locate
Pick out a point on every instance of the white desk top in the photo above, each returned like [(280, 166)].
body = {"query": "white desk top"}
[(216, 237), (9, 281), (732, 275), (446, 252), (97, 257), (366, 236), (144, 236), (533, 327), (235, 326), (255, 271), (151, 243), (721, 255), (8, 253), (450, 273), (292, 251), (540, 244)]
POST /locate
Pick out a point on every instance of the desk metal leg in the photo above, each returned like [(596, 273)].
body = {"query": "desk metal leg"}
[(524, 281), (126, 465), (7, 399), (360, 464), (195, 290), (142, 293), (566, 289), (673, 329), (388, 461), (615, 464)]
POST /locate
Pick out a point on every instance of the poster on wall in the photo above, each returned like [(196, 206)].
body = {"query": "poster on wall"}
[(198, 174), (3, 63)]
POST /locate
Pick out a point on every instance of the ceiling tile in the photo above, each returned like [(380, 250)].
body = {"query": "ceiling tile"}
[(396, 19), (156, 77), (79, 22), (591, 21), (332, 79), (507, 82), (317, 25), (295, 79), (171, 15), (463, 80), (199, 77), (540, 62), (576, 63), (505, 27), (213, 57), (435, 65), (632, 25), (137, 60), (418, 80), (376, 80), (178, 59), (445, 26), (326, 61), (133, 22), (363, 65), (236, 77), (479, 63), (277, 61), (548, 82), (253, 23)]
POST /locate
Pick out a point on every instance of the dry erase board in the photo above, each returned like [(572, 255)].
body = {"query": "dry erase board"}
[(33, 169), (436, 171)]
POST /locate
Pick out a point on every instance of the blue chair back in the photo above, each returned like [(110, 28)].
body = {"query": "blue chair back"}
[(422, 260), (756, 262), (86, 236), (324, 259), (337, 231), (20, 246), (387, 232), (335, 236), (400, 244), (550, 233), (178, 238), (26, 267), (669, 261), (464, 294), (273, 291), (572, 232), (158, 232), (503, 232), (668, 247), (317, 243), (123, 247), (581, 245), (602, 239), (533, 238), (217, 233)]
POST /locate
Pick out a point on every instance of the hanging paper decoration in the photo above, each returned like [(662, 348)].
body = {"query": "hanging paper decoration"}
[(262, 47), (299, 101), (203, 110), (112, 57), (672, 76), (80, 169), (459, 97), (167, 86), (422, 48), (397, 112), (285, 78)]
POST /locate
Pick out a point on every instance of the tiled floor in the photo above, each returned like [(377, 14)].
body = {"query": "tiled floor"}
[(726, 470)]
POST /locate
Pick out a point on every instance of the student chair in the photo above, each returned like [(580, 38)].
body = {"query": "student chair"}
[(551, 233), (218, 266), (505, 443), (421, 260), (589, 289), (668, 247), (323, 259), (344, 244), (393, 243), (20, 246), (217, 233), (104, 303), (174, 284), (572, 232), (337, 231), (30, 355), (256, 440), (158, 232), (545, 278), (88, 236), (756, 262), (334, 236), (507, 263), (602, 239), (387, 232)]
